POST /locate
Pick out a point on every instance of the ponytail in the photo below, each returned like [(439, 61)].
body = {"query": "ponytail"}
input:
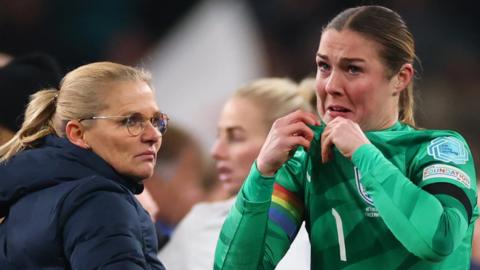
[(37, 124), (406, 106)]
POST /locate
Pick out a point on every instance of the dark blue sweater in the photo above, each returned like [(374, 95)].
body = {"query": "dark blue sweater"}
[(66, 208)]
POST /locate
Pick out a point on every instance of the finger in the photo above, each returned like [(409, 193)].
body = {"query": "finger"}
[(300, 129), (335, 121), (326, 145), (314, 117), (299, 141), (301, 116), (326, 152)]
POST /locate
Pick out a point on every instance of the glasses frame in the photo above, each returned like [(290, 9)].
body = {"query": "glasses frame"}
[(163, 116)]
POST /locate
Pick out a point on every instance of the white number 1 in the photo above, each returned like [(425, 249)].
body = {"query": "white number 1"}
[(341, 237)]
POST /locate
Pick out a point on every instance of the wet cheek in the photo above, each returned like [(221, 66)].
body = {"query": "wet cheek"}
[(319, 87), (320, 92), (320, 105)]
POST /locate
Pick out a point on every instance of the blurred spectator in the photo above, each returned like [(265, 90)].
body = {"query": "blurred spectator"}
[(20, 78), (4, 59), (181, 179), (82, 31), (148, 203)]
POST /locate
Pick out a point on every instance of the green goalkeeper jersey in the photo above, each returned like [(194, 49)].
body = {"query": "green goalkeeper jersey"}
[(406, 201)]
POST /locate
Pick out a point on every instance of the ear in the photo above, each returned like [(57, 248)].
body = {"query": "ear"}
[(75, 133), (403, 78)]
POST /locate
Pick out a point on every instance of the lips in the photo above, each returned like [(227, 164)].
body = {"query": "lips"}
[(338, 109), (149, 155), (224, 173)]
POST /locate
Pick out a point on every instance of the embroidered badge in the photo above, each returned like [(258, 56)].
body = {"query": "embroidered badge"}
[(448, 149), (446, 171), (361, 190)]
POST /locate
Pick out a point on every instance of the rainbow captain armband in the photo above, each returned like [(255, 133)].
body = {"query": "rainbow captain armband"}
[(286, 210)]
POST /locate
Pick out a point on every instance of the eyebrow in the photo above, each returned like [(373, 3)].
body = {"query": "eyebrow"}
[(343, 59), (234, 128), (156, 113)]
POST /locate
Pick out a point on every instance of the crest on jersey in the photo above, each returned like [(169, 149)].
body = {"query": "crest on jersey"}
[(448, 149), (361, 190)]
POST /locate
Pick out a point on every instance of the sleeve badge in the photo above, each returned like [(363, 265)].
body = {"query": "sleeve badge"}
[(448, 149), (446, 171)]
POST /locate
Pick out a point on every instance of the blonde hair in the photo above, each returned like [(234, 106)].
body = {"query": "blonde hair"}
[(79, 97), (277, 97)]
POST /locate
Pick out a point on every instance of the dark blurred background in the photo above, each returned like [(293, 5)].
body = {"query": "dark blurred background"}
[(286, 34)]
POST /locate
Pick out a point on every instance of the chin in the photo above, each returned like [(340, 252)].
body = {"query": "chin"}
[(146, 175), (229, 188), (139, 176)]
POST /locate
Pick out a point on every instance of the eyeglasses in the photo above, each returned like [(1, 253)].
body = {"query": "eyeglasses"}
[(136, 122)]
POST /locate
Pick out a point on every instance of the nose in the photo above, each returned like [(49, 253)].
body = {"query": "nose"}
[(151, 133), (334, 84), (218, 151)]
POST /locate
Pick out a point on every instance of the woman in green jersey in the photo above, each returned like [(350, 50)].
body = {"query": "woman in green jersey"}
[(374, 191)]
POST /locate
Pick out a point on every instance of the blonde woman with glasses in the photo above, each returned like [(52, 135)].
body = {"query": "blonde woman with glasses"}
[(69, 175)]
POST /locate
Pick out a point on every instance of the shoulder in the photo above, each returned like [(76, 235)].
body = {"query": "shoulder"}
[(435, 133), (98, 198), (445, 157), (208, 213), (97, 186), (426, 135), (215, 206), (445, 146), (426, 149), (99, 207)]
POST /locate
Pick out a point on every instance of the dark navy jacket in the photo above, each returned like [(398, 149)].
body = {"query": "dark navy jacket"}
[(66, 208)]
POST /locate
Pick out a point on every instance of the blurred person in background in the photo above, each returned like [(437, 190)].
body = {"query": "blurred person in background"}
[(242, 129), (70, 173), (4, 59), (181, 178), (148, 203), (375, 191), (19, 78)]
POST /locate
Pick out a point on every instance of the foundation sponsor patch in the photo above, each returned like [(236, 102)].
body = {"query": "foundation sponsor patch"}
[(446, 171), (448, 149)]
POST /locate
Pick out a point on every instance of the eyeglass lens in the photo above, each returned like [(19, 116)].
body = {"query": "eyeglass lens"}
[(136, 123)]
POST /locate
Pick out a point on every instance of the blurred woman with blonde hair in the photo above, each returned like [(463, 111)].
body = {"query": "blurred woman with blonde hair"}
[(242, 128)]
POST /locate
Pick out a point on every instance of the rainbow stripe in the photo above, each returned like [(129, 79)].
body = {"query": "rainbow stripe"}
[(286, 210)]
